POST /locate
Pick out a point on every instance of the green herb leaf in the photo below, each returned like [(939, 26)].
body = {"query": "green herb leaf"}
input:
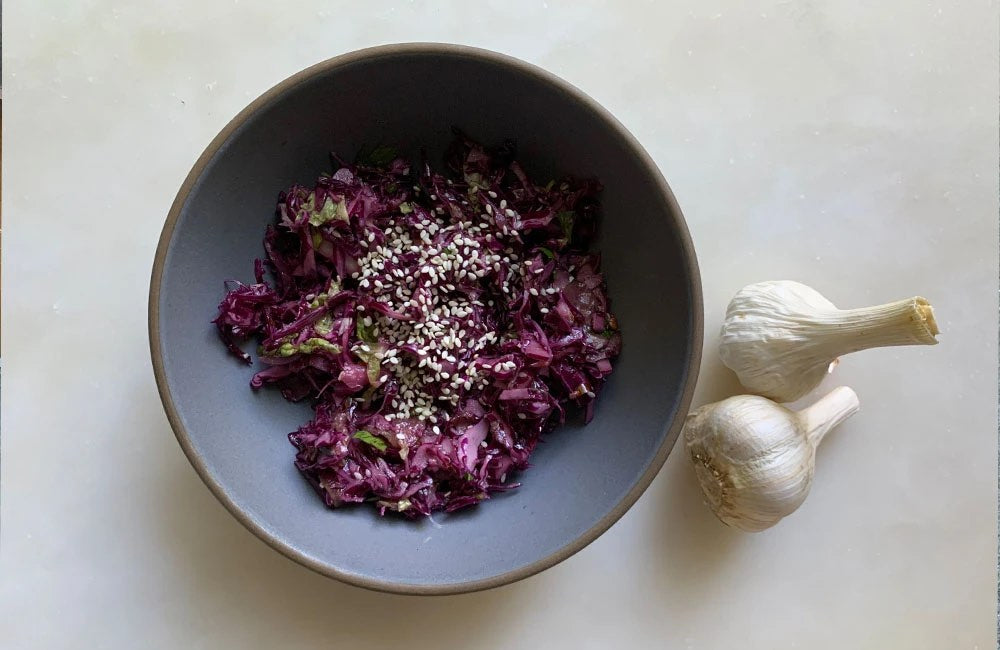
[(378, 157), (369, 438), (309, 346), (405, 208), (366, 332), (341, 212), (330, 210), (398, 506), (324, 325), (374, 367), (475, 181), (367, 396), (547, 252), (321, 298), (566, 223), (373, 358), (321, 216)]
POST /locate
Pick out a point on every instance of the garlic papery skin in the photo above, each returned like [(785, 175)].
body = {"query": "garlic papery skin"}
[(755, 459), (781, 338)]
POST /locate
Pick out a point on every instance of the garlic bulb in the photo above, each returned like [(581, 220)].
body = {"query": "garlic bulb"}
[(755, 459), (781, 338)]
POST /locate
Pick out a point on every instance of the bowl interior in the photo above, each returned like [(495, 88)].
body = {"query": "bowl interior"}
[(584, 477)]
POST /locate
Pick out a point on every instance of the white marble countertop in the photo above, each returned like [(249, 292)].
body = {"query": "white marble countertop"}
[(849, 145)]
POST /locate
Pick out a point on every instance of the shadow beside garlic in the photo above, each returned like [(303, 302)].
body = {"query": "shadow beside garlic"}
[(695, 553), (715, 380)]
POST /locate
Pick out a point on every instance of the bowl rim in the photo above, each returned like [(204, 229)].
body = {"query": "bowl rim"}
[(576, 95)]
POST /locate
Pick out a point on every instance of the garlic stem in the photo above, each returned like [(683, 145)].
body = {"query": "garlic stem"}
[(904, 322), (835, 407), (782, 338)]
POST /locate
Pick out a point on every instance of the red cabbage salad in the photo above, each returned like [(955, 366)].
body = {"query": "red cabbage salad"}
[(438, 323)]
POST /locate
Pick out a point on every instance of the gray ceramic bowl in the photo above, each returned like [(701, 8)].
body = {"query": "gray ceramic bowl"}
[(584, 477)]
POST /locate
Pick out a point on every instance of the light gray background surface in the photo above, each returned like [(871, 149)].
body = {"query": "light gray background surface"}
[(849, 145)]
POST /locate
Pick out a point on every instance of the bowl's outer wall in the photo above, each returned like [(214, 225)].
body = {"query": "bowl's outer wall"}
[(237, 437)]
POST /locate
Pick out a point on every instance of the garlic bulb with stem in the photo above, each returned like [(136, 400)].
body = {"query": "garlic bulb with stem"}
[(781, 338), (755, 459)]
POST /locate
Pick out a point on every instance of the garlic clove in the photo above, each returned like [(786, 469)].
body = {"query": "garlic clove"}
[(781, 338), (755, 459)]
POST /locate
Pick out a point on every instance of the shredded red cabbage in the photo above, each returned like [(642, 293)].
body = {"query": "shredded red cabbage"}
[(439, 324)]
